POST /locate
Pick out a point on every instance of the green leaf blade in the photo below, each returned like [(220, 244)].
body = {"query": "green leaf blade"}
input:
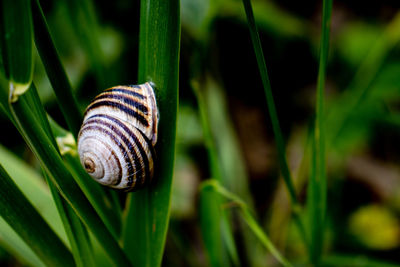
[(144, 239), (26, 221), (51, 161), (210, 223), (270, 100), (18, 42), (318, 184), (76, 232), (55, 70)]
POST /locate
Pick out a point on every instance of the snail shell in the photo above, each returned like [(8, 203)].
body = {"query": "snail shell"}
[(117, 137)]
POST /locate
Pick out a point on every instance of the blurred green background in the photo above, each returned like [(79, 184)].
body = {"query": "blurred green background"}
[(218, 65)]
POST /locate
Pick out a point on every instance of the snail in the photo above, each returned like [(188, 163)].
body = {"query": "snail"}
[(117, 138)]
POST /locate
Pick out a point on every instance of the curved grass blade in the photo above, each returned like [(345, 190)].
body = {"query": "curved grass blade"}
[(108, 210), (18, 43), (55, 71), (159, 40), (317, 186), (104, 202), (34, 188), (270, 101), (247, 217), (76, 231), (51, 161), (36, 191), (26, 221), (16, 246)]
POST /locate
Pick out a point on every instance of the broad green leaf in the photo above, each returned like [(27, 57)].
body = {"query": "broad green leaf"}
[(19, 213), (16, 246), (18, 43), (34, 188), (36, 191), (159, 41)]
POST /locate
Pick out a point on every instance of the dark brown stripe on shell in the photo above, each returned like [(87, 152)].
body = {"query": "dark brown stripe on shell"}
[(126, 91), (124, 98), (136, 86), (121, 107)]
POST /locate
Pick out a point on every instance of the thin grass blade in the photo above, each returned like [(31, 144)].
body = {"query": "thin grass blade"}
[(270, 101), (317, 193), (247, 217), (34, 188), (296, 208), (55, 70)]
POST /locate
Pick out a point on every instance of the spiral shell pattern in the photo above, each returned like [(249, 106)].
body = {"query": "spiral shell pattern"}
[(117, 137)]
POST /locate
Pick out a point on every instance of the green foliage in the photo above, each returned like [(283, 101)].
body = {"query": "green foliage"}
[(18, 42), (318, 185), (159, 44), (26, 221)]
